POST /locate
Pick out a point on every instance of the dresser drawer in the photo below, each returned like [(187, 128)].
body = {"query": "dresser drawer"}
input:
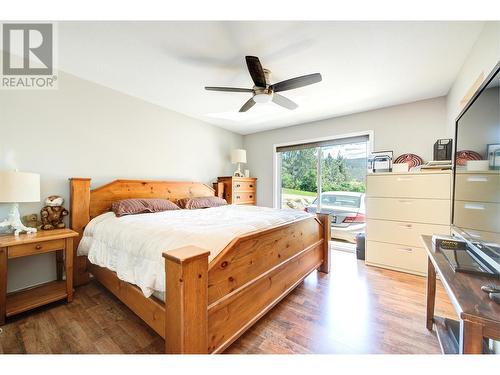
[(35, 248), (400, 232), (478, 215), (432, 211), (405, 258), (432, 186), (244, 186), (478, 187), (243, 197)]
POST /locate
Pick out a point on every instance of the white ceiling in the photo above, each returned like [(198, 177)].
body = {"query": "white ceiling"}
[(365, 65)]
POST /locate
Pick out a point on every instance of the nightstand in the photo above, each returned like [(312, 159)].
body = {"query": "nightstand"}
[(59, 241), (238, 190)]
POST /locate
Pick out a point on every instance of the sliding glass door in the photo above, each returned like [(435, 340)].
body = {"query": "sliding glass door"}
[(334, 170), (299, 176), (342, 181)]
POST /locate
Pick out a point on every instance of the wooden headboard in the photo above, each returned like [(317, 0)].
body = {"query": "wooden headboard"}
[(87, 204)]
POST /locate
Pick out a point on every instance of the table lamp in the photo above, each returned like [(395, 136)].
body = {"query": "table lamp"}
[(18, 187), (238, 156)]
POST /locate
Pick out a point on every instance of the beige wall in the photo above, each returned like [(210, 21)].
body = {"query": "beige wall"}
[(87, 130), (412, 127), (483, 57)]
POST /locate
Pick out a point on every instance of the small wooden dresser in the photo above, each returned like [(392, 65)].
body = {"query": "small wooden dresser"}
[(239, 190)]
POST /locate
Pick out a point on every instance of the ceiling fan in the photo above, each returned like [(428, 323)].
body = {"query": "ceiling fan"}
[(263, 91)]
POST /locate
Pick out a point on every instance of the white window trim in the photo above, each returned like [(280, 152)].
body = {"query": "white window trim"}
[(276, 175)]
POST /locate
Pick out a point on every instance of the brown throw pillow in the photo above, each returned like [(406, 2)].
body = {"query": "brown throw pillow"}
[(201, 202), (141, 205)]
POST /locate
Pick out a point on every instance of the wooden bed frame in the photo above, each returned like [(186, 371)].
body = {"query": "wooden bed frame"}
[(208, 305)]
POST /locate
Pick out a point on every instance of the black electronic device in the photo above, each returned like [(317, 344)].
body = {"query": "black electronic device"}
[(443, 149), (476, 191)]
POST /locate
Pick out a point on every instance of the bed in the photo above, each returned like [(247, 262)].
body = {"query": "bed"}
[(201, 296)]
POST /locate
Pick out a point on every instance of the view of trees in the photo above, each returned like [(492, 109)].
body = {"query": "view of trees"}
[(299, 171)]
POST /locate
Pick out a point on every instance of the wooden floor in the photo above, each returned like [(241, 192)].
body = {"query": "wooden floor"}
[(355, 309)]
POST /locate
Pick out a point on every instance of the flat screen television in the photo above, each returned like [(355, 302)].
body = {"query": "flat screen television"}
[(476, 195)]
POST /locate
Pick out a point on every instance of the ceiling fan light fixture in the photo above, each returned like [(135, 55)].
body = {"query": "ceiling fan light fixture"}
[(263, 91), (263, 98)]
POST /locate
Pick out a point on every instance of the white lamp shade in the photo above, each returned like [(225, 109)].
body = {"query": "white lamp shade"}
[(18, 187), (238, 156)]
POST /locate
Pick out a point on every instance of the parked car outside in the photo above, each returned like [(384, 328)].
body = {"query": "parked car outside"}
[(347, 210)]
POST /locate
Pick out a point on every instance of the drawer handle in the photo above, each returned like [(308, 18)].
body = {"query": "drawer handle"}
[(477, 179), (406, 249), (251, 185), (38, 247), (237, 197), (474, 206), (404, 178), (237, 185), (251, 196), (406, 226), (405, 201)]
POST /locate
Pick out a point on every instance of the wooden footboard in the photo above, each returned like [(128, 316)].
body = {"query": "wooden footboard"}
[(209, 306)]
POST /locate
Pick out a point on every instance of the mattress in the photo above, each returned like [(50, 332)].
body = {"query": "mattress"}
[(132, 246)]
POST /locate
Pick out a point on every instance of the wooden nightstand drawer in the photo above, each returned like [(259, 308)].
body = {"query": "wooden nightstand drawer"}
[(244, 186), (35, 248), (243, 197)]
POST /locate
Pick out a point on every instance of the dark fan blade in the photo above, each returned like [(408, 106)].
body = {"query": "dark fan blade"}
[(256, 71), (296, 82), (231, 89), (284, 102), (249, 104)]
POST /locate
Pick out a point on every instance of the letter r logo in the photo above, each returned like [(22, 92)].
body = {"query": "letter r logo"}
[(27, 49)]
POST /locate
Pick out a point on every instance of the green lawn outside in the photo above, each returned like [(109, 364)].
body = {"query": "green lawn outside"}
[(298, 192)]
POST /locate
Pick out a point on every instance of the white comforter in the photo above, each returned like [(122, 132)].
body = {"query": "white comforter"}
[(132, 246)]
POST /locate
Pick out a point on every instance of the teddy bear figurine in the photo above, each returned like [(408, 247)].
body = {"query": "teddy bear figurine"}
[(53, 213)]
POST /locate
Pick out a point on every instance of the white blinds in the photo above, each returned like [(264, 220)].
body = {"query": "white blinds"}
[(331, 142)]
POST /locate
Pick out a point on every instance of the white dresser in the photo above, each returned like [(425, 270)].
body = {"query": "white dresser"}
[(399, 208)]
